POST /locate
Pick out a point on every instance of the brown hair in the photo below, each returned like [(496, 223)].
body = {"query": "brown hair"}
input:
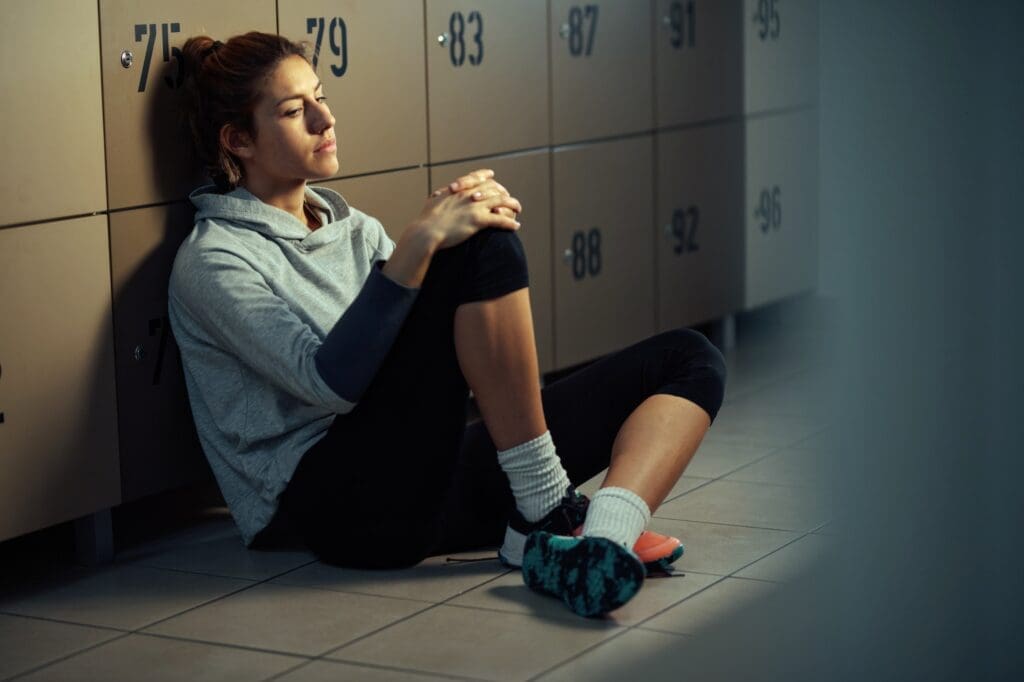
[(222, 85)]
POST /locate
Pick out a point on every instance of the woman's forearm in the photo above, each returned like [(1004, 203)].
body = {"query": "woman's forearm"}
[(409, 261)]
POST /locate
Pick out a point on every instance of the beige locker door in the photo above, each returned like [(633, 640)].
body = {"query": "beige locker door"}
[(370, 60), (149, 150), (528, 178), (699, 242), (603, 248), (395, 199), (780, 54), (781, 207), (51, 140), (699, 60), (58, 425), (159, 446), (488, 76), (601, 69)]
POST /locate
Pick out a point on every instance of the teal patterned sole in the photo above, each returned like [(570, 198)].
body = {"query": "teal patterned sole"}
[(591, 575)]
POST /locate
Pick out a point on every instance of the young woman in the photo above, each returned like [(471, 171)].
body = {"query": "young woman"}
[(329, 369)]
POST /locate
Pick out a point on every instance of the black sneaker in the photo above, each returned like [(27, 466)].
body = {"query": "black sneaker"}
[(562, 520)]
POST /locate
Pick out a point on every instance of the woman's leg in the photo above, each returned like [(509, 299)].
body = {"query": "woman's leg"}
[(383, 471), (641, 412)]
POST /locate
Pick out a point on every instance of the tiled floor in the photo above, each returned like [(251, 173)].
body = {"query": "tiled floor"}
[(193, 604)]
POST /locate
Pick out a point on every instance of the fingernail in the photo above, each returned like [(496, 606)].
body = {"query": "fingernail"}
[(477, 195)]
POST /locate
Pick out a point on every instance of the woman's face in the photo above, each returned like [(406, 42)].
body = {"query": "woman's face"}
[(295, 137)]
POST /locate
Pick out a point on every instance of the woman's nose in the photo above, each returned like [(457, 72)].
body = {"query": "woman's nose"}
[(325, 120)]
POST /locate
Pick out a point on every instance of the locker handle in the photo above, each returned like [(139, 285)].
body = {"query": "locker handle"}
[(442, 39), (564, 31), (567, 256)]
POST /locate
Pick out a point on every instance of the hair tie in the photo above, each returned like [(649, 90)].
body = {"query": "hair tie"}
[(216, 45)]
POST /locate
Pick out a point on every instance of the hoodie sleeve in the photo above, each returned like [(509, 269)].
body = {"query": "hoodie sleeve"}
[(232, 305), (358, 343)]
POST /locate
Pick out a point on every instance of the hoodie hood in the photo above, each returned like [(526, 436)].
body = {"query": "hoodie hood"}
[(242, 208)]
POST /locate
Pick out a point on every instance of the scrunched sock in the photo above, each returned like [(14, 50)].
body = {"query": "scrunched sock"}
[(617, 514), (536, 476)]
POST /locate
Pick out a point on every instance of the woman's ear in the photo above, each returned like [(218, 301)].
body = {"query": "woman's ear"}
[(235, 141)]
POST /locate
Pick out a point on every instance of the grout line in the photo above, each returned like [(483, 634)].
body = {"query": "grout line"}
[(67, 656), (580, 653), (223, 645)]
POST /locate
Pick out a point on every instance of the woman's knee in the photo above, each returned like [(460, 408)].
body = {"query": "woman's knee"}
[(495, 265), (696, 370)]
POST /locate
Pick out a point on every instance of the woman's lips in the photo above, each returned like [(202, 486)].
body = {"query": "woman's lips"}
[(329, 146)]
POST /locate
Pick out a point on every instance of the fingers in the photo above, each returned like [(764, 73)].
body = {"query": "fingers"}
[(501, 201), (471, 180)]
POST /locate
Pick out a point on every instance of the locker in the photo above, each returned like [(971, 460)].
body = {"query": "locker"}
[(603, 201), (395, 199), (149, 147), (159, 446), (781, 207), (52, 135), (780, 41), (369, 56), (601, 69), (58, 425), (528, 178), (488, 74), (698, 60), (699, 238)]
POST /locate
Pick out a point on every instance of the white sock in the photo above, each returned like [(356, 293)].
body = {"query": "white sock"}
[(536, 475), (617, 514)]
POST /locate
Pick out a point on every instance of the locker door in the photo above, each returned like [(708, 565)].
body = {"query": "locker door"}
[(58, 437), (603, 247), (601, 69), (52, 134), (528, 178), (700, 214), (369, 56), (149, 151), (699, 60), (782, 207), (159, 447), (395, 199), (488, 75), (780, 54)]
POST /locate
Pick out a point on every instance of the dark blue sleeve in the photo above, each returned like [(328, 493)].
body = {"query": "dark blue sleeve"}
[(357, 344)]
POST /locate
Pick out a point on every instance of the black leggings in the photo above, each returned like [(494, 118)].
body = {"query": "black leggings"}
[(402, 477)]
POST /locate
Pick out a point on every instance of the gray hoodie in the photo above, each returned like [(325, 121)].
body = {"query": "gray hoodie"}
[(280, 329)]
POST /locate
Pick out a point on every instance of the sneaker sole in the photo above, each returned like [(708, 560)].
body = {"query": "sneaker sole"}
[(591, 575), (511, 553)]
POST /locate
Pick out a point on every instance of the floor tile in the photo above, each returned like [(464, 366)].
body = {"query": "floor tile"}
[(611, 660), (331, 671), (434, 580), (719, 600), (763, 430), (288, 619), (126, 597), (714, 460), (475, 643), (790, 561), (751, 504), (826, 442), (27, 643), (788, 466), (508, 593), (137, 657), (215, 549), (720, 549)]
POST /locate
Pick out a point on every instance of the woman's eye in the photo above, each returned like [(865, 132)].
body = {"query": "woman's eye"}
[(321, 99), (292, 112)]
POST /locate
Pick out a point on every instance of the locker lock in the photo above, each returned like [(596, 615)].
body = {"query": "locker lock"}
[(442, 39), (668, 229), (139, 353), (567, 255), (565, 30), (127, 59)]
